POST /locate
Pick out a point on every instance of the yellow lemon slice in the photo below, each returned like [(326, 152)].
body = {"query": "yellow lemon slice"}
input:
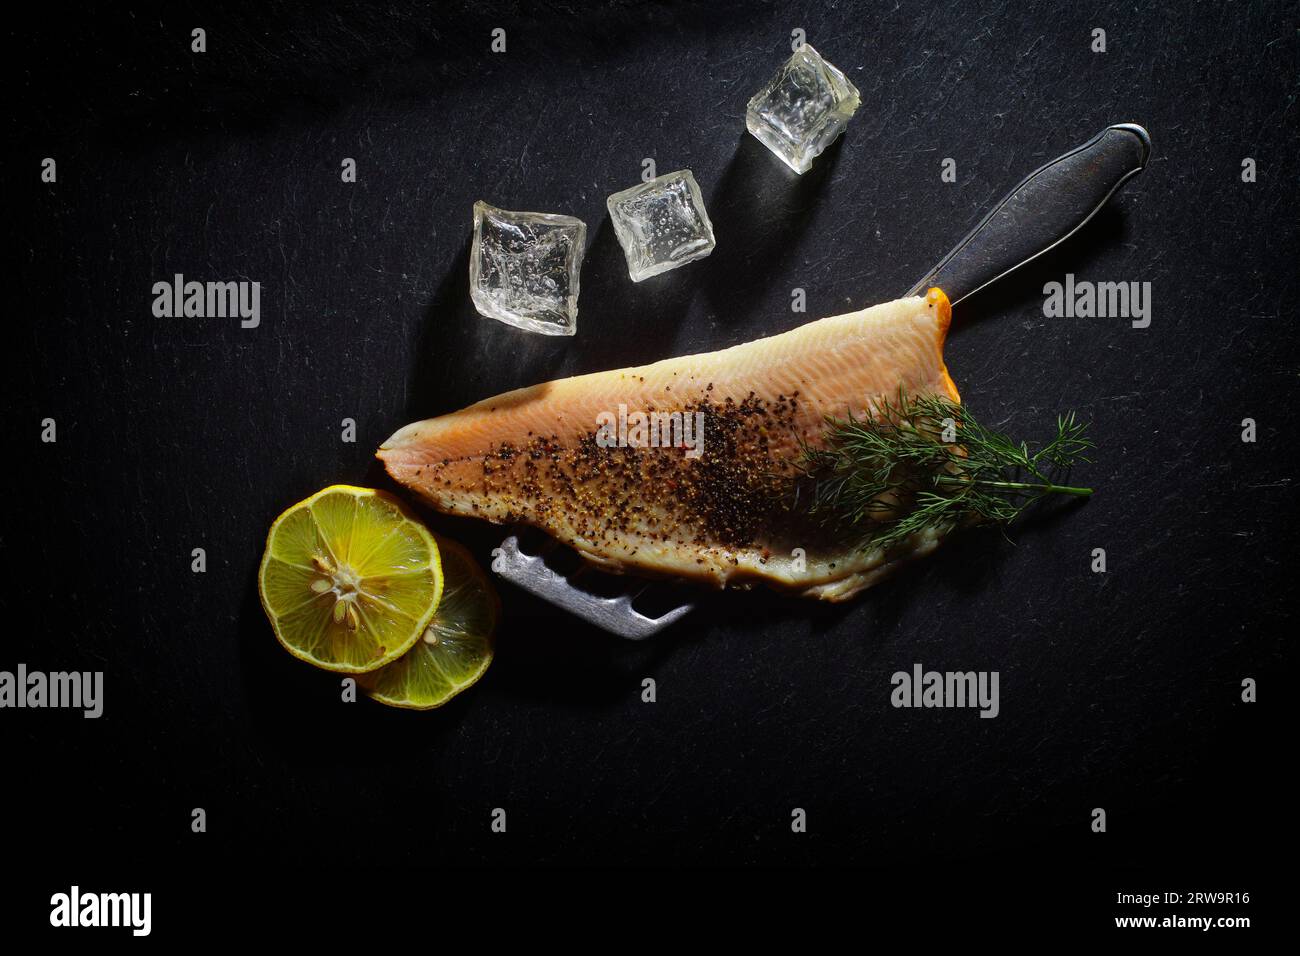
[(350, 579), (456, 647)]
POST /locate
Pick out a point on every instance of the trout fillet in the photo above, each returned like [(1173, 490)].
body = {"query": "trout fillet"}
[(722, 513)]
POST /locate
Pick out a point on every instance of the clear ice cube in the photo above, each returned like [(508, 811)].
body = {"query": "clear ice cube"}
[(524, 266), (802, 109), (661, 224)]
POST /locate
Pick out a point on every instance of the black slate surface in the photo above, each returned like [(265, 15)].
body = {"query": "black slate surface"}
[(1118, 690)]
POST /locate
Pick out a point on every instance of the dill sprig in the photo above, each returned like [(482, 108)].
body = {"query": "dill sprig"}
[(922, 462)]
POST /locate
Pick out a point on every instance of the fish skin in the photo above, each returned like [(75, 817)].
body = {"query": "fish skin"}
[(529, 455)]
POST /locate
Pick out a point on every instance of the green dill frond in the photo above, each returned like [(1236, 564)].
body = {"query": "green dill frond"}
[(923, 462)]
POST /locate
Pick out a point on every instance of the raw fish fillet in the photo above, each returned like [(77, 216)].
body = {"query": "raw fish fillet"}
[(724, 517)]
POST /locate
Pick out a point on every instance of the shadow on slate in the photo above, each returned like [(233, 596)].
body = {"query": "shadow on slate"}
[(759, 209), (566, 660), (623, 323), (283, 695), (571, 661), (446, 333), (453, 339), (761, 607)]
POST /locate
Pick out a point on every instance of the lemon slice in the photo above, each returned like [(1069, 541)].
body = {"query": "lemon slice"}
[(454, 650), (350, 579)]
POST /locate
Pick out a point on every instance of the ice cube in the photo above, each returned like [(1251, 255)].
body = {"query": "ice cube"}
[(523, 268), (802, 109), (661, 224)]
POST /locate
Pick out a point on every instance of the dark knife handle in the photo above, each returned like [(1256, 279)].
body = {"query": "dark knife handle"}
[(1047, 207)]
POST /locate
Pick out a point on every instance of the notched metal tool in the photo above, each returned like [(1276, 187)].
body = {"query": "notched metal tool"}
[(1046, 208), (614, 614)]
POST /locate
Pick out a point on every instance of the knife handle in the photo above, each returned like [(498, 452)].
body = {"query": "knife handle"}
[(1049, 206)]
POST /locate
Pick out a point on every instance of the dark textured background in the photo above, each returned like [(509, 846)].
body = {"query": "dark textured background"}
[(1118, 690)]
